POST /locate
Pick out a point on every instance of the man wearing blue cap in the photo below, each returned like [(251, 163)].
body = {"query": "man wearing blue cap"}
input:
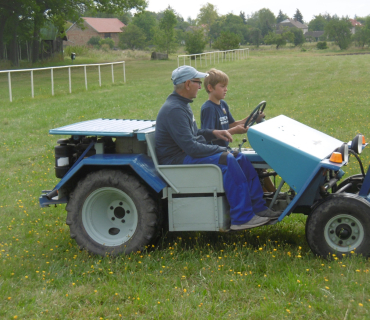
[(179, 141)]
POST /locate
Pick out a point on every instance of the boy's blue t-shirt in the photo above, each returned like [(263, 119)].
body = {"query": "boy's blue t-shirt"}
[(216, 116)]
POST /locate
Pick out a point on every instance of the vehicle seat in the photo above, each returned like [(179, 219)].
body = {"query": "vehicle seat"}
[(184, 178)]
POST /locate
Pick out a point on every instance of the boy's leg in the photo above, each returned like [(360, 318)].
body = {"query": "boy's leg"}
[(235, 184), (255, 188)]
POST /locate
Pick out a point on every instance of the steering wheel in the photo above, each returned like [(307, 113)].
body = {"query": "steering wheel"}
[(255, 113)]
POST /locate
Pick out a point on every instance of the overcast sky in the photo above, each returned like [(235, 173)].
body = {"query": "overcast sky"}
[(309, 8)]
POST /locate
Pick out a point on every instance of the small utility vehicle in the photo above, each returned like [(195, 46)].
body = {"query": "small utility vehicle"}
[(118, 197)]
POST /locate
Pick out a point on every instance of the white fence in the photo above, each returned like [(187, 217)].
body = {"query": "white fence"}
[(207, 57), (9, 72)]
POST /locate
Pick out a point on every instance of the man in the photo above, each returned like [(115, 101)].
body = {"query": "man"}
[(179, 141)]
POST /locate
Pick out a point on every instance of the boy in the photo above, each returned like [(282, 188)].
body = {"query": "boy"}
[(215, 113)]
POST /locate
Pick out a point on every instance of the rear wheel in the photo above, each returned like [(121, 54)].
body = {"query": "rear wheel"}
[(339, 225), (111, 212)]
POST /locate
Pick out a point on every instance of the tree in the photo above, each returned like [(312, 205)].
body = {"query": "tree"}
[(266, 21), (362, 33), (281, 17), (146, 21), (195, 41), (298, 36), (340, 31), (207, 17), (132, 37), (242, 15), (256, 36), (318, 23), (227, 41), (298, 16), (164, 37), (279, 39)]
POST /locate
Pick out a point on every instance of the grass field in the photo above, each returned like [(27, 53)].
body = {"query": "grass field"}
[(264, 273)]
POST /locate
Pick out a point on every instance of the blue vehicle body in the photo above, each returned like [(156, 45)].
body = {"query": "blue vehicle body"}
[(298, 154)]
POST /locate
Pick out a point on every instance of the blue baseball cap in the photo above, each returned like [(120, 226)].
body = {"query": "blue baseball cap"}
[(184, 73)]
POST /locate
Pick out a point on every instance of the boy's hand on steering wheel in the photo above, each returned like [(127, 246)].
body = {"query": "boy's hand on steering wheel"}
[(260, 117)]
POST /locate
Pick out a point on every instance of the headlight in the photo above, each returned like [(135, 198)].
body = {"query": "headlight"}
[(357, 143), (344, 151)]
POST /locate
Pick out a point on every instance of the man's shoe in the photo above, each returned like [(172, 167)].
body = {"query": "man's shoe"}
[(269, 213), (254, 222)]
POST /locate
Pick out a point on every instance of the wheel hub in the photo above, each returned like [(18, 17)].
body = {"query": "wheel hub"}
[(344, 233), (109, 216)]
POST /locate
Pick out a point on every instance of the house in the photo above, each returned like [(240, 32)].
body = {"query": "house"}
[(94, 27), (313, 35), (354, 24), (291, 23)]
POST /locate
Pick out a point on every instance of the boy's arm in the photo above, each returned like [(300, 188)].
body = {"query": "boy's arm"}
[(242, 122)]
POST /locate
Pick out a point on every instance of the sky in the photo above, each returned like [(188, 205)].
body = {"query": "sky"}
[(308, 8)]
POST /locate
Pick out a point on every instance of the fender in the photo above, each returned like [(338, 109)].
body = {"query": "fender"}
[(140, 163)]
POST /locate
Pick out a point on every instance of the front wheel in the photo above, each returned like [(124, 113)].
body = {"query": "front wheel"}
[(339, 225), (355, 182), (111, 212)]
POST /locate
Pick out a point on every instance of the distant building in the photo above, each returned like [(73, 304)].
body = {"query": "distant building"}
[(94, 27), (291, 23), (355, 24), (313, 35)]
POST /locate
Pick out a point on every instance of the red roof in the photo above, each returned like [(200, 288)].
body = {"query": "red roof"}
[(105, 25), (355, 22)]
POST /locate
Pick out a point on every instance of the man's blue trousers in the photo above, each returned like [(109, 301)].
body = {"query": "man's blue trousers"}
[(242, 186)]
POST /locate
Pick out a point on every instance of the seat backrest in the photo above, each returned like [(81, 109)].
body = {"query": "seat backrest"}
[(192, 178), (150, 139)]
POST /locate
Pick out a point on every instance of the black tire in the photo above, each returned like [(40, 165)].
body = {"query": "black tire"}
[(111, 212), (356, 181), (339, 225)]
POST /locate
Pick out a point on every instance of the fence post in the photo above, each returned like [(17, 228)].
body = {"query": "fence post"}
[(124, 72), (112, 73), (99, 75), (32, 90), (70, 80), (85, 77), (52, 81), (10, 86)]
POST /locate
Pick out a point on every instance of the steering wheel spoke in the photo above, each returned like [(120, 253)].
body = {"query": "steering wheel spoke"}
[(254, 114)]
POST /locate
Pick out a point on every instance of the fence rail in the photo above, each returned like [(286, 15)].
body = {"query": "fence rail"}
[(235, 54), (9, 72)]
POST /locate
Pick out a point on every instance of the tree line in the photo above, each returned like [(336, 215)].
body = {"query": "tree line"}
[(23, 20)]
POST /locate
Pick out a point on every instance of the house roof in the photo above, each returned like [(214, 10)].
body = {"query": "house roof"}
[(105, 25), (294, 23), (355, 22)]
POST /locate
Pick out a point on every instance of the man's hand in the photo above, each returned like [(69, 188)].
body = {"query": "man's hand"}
[(223, 135)]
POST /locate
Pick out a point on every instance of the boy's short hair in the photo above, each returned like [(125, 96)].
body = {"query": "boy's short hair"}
[(214, 77)]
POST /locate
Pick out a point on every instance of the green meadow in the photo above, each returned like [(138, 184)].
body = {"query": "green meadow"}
[(264, 273)]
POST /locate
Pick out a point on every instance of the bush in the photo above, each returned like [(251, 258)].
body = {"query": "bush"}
[(322, 45), (78, 50), (94, 41), (108, 41), (195, 41)]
